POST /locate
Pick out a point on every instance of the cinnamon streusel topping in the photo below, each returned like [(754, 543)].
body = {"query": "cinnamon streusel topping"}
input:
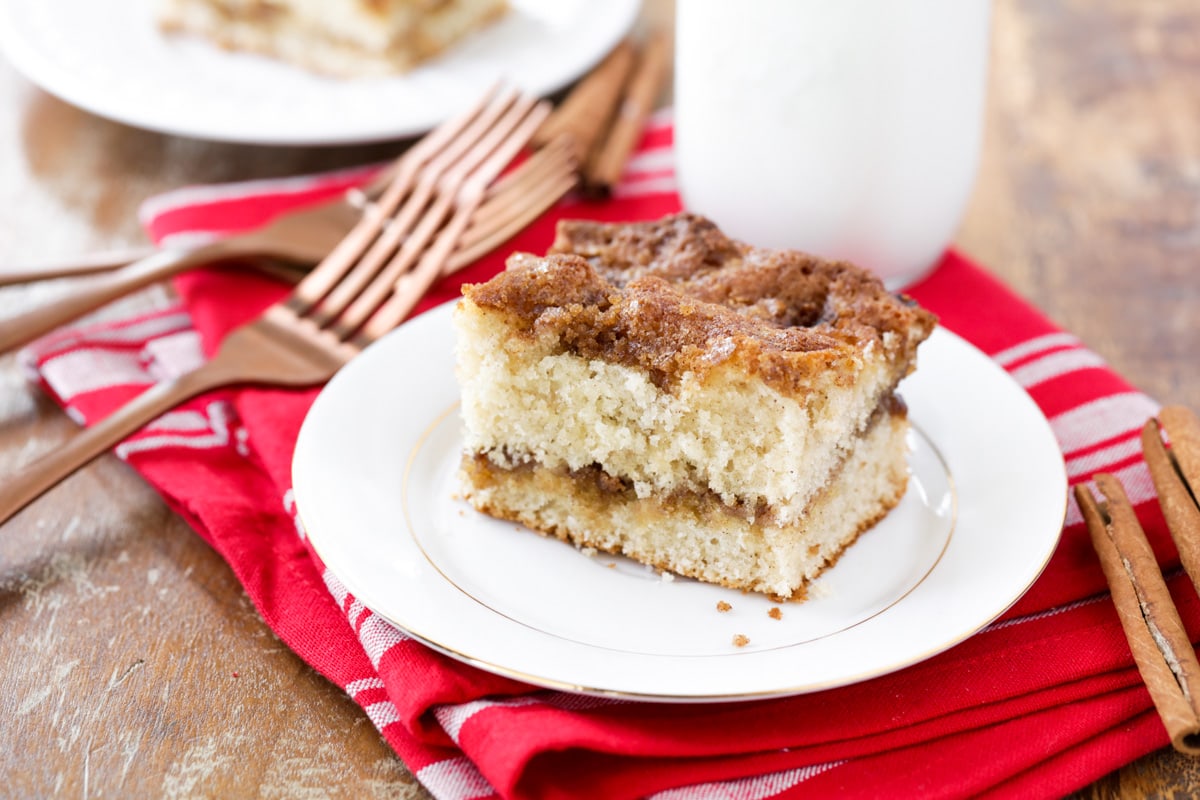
[(677, 296)]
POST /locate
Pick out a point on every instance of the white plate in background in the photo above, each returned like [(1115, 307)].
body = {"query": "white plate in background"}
[(110, 58)]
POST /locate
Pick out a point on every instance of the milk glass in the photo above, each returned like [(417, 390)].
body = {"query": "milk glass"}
[(846, 128)]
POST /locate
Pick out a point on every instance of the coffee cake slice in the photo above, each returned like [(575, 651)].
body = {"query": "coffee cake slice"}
[(343, 38), (661, 391)]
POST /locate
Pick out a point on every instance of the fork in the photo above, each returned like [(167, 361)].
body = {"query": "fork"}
[(305, 338), (301, 236)]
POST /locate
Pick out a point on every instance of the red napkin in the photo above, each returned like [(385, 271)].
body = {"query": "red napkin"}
[(1040, 703)]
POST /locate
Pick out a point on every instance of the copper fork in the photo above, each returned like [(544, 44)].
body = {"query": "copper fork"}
[(303, 236), (402, 244)]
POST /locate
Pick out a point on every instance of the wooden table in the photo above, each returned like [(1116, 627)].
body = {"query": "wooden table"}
[(134, 664)]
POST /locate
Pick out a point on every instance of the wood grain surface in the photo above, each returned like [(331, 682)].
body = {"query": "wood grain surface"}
[(134, 665)]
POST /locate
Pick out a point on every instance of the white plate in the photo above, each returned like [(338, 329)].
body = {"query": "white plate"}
[(110, 58), (374, 480)]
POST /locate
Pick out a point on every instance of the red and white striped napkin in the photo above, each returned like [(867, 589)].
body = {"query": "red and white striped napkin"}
[(1041, 702)]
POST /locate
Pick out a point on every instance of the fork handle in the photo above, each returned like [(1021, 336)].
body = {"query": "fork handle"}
[(36, 478), (27, 326), (76, 266)]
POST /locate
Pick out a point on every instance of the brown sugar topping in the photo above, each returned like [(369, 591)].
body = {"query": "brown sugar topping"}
[(677, 295)]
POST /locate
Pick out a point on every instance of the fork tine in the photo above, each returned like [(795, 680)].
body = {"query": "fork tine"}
[(530, 207), (516, 200), (404, 292), (461, 191), (406, 170), (417, 211), (372, 193)]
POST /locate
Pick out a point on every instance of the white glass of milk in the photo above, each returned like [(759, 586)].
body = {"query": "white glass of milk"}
[(850, 129)]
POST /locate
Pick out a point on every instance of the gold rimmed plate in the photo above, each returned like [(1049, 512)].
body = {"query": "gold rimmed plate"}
[(375, 485)]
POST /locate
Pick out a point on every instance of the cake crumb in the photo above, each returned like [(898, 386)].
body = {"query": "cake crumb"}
[(611, 565), (740, 640), (775, 613), (588, 551), (722, 606), (668, 577)]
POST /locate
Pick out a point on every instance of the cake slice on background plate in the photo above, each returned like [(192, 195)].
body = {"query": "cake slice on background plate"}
[(341, 38)]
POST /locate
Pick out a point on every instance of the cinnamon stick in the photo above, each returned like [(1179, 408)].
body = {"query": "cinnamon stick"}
[(1183, 428), (607, 161), (586, 112), (1159, 643), (1176, 476)]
